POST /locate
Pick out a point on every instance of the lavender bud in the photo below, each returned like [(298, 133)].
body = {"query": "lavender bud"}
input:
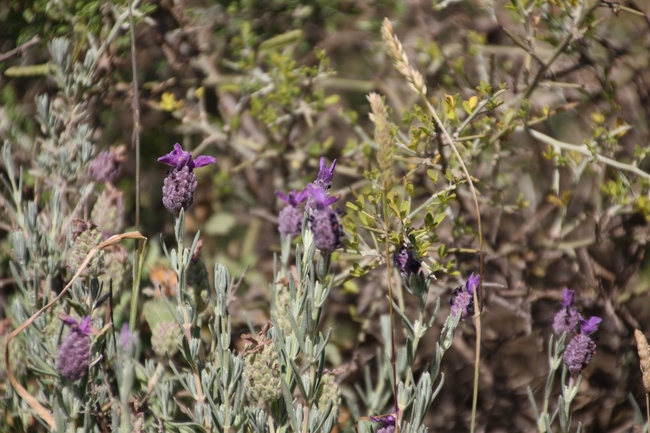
[(198, 279), (578, 353), (180, 183), (85, 236), (108, 211), (326, 227), (290, 218), (328, 392), (290, 221), (581, 348), (568, 318), (165, 337), (262, 375), (73, 356), (405, 259), (117, 268), (462, 298), (178, 189), (108, 164)]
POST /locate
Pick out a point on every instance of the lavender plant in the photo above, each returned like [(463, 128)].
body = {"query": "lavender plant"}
[(478, 176)]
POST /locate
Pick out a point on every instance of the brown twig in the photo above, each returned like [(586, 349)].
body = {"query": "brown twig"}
[(20, 49)]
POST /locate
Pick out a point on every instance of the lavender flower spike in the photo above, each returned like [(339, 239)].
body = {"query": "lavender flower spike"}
[(462, 298), (581, 349), (568, 318), (180, 183), (406, 260), (73, 355), (290, 218), (324, 222)]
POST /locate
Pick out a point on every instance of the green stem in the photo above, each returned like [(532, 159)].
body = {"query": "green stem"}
[(390, 307)]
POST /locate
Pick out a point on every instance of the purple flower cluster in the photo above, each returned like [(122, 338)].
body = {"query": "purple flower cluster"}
[(462, 298), (73, 356), (406, 260), (324, 221), (180, 183), (290, 218), (108, 164), (581, 348)]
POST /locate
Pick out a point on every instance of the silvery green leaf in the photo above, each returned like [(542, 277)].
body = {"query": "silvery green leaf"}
[(638, 415), (293, 415), (405, 320), (533, 403)]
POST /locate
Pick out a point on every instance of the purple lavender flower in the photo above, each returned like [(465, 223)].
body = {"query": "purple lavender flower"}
[(178, 158), (405, 259), (462, 298), (290, 218), (325, 175), (323, 182), (324, 222), (387, 422), (567, 319), (180, 183), (73, 356), (581, 348), (108, 164)]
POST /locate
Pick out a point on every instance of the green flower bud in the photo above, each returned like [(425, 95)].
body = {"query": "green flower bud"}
[(328, 392), (108, 212), (85, 236), (164, 338), (117, 268), (262, 374)]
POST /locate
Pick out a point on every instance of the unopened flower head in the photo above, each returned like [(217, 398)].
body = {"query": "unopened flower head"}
[(84, 237), (108, 212), (180, 183), (290, 218), (324, 222), (165, 337), (567, 319), (406, 260), (581, 348), (108, 164), (462, 298), (73, 356)]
